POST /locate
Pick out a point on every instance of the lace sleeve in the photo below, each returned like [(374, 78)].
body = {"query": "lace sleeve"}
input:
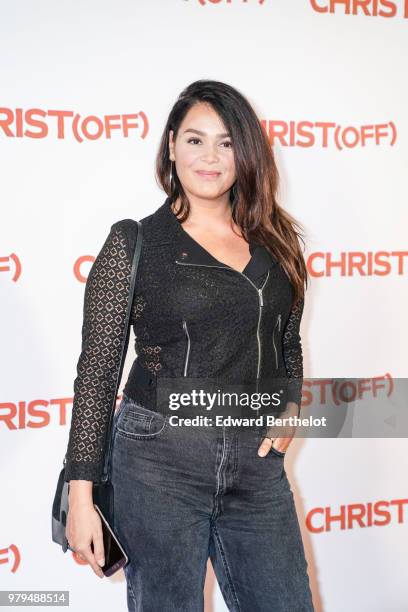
[(292, 353), (104, 317)]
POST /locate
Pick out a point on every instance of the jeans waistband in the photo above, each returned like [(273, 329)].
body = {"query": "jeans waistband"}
[(202, 419)]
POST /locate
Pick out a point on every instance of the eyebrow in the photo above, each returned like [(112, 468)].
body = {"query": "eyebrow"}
[(223, 135)]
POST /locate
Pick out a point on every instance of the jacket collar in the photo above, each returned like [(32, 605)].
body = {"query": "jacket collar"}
[(167, 228)]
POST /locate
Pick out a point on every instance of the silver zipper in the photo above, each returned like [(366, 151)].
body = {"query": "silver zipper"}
[(188, 347), (260, 296), (259, 322), (278, 322)]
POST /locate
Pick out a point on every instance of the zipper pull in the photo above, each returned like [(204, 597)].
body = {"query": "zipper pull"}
[(260, 297)]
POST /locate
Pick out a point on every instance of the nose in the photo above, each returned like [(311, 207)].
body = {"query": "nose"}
[(210, 153)]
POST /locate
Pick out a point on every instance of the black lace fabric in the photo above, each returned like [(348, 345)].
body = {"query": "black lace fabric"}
[(104, 313), (293, 354)]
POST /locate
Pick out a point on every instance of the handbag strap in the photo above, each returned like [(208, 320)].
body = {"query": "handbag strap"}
[(108, 436)]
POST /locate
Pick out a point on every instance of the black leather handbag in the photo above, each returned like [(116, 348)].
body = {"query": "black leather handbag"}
[(102, 491)]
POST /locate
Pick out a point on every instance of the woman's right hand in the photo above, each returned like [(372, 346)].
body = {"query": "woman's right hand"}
[(84, 527)]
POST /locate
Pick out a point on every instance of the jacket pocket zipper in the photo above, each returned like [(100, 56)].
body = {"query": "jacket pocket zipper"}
[(278, 323), (187, 349), (258, 335)]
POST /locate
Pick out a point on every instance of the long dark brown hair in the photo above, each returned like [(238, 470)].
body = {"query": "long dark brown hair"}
[(253, 195)]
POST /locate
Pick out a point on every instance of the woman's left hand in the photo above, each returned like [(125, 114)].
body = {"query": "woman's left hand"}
[(287, 433), (280, 444)]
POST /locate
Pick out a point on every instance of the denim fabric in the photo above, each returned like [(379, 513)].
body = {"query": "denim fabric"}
[(183, 494)]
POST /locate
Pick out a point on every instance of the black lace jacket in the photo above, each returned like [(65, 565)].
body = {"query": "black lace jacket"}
[(192, 316)]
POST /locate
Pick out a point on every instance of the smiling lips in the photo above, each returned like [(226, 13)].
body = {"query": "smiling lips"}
[(207, 174)]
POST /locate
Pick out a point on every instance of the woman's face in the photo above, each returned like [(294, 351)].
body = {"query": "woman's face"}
[(202, 147)]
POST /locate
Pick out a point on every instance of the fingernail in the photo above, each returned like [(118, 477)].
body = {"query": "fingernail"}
[(261, 453), (101, 562)]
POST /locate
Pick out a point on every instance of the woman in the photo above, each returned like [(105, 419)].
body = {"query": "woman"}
[(219, 300)]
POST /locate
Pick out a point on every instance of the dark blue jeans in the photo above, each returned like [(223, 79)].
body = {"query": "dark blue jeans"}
[(183, 494)]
